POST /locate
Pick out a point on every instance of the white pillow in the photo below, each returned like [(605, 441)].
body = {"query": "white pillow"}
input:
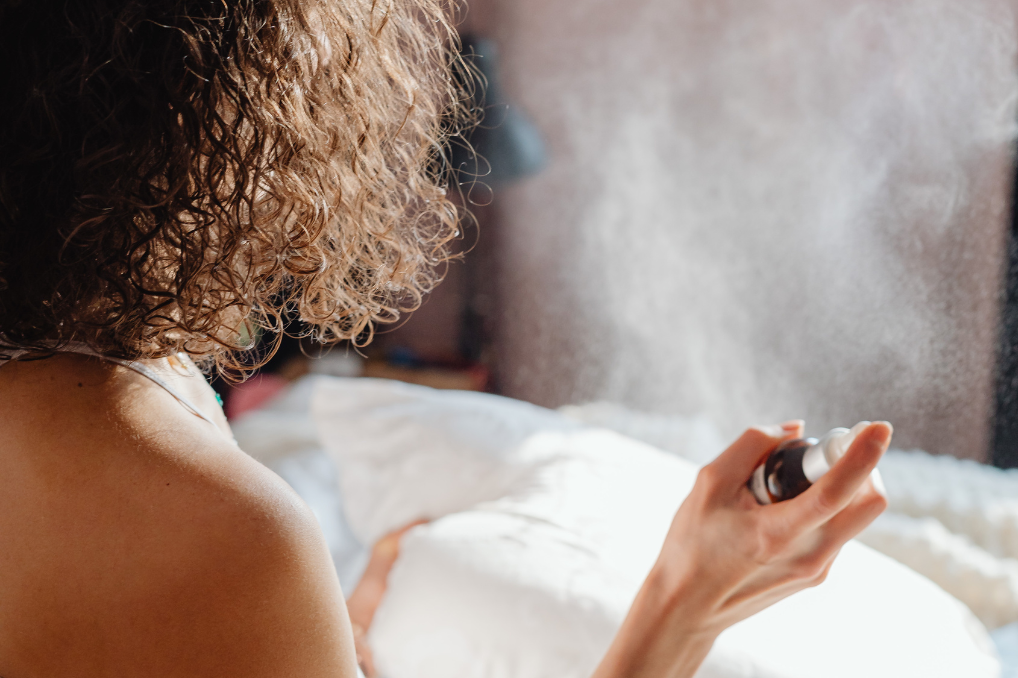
[(409, 452), (550, 530)]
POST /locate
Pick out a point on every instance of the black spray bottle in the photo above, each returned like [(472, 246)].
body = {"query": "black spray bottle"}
[(795, 465)]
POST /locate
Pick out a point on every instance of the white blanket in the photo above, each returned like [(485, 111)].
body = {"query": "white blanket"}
[(959, 534)]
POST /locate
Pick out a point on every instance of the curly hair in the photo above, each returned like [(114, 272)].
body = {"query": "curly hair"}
[(173, 172)]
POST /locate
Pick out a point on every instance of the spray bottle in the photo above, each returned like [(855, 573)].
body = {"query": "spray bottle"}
[(795, 465)]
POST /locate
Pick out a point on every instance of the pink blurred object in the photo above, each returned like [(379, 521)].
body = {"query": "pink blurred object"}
[(253, 393)]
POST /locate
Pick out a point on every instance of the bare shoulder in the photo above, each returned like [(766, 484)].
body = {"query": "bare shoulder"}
[(164, 553), (239, 581)]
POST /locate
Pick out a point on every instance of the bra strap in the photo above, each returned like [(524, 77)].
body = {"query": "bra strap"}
[(144, 370), (147, 371)]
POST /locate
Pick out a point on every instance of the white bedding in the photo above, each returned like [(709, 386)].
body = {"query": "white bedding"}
[(963, 542), (953, 521), (282, 435)]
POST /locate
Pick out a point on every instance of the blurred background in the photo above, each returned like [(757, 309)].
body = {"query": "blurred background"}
[(746, 211)]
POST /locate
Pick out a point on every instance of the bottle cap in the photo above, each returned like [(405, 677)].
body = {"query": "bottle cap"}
[(819, 458)]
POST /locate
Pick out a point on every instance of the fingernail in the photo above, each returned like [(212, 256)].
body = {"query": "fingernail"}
[(793, 424), (888, 431)]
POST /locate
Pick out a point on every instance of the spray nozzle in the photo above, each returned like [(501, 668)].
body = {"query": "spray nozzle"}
[(826, 452), (836, 442)]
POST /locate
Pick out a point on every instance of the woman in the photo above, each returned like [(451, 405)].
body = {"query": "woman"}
[(175, 173)]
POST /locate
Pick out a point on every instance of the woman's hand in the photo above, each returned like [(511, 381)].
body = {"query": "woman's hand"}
[(726, 557), (367, 595)]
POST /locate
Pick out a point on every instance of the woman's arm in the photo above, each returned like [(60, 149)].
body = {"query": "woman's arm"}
[(726, 557)]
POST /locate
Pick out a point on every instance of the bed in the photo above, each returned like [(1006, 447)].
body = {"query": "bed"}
[(953, 522)]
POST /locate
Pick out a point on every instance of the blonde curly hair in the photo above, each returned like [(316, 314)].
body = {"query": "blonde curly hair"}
[(175, 171)]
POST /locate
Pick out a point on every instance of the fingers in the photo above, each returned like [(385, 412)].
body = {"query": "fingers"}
[(811, 568), (836, 489), (864, 508), (403, 530), (796, 428), (735, 464), (388, 546)]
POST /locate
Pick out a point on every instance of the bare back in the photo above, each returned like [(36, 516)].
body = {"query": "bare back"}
[(136, 539)]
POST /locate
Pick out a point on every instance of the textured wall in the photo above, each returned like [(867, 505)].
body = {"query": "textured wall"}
[(760, 210)]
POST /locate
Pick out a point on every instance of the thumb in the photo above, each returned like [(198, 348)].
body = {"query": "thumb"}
[(737, 462)]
